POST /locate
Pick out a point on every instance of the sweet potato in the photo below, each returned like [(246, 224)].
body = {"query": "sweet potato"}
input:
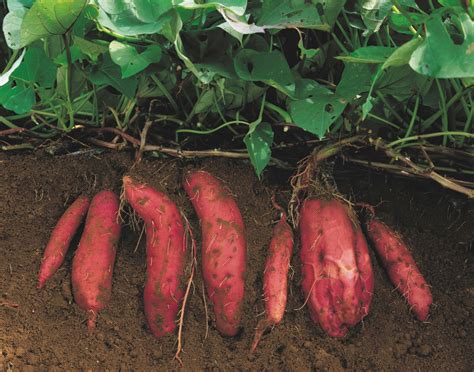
[(401, 267), (275, 277), (337, 272), (61, 238), (166, 250), (223, 247), (93, 263)]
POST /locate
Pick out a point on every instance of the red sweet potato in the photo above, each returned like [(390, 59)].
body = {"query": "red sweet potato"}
[(93, 263), (61, 238), (337, 272), (166, 254), (401, 267), (275, 277), (223, 247)]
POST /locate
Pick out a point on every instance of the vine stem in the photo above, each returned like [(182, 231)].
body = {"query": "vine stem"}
[(226, 124), (430, 135), (68, 82)]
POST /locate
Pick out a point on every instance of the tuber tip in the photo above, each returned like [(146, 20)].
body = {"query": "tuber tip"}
[(91, 321)]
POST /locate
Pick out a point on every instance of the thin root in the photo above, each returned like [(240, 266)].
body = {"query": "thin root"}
[(189, 239)]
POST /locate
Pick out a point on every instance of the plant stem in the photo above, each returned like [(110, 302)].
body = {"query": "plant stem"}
[(468, 124), (428, 122), (285, 115), (10, 61), (389, 107), (165, 92), (68, 83), (210, 131), (430, 135), (413, 117), (444, 117), (382, 120), (344, 33), (339, 44)]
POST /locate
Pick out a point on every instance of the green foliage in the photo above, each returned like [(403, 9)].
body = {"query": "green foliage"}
[(235, 70)]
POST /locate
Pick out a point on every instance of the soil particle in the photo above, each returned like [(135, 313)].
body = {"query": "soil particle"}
[(424, 350), (20, 352), (32, 359)]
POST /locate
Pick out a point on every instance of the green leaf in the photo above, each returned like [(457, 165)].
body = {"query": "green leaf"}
[(438, 56), (109, 74), (172, 27), (367, 107), (313, 14), (36, 67), (89, 48), (236, 6), (231, 31), (268, 67), (401, 82), (317, 107), (259, 140), (49, 17), (19, 99), (134, 17), (356, 78), (146, 11), (369, 54), (234, 93), (400, 23), (130, 61), (401, 56), (17, 4), (238, 26), (468, 82), (205, 101), (373, 13), (12, 27), (76, 55), (309, 53)]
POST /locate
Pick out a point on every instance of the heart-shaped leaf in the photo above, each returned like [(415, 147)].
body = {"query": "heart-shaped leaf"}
[(109, 74), (19, 98), (259, 140), (317, 107), (268, 67), (49, 17), (438, 56), (236, 6), (130, 61)]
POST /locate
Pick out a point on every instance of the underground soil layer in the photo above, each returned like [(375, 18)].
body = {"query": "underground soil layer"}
[(45, 330)]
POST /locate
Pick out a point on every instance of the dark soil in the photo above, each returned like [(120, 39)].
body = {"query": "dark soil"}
[(46, 330)]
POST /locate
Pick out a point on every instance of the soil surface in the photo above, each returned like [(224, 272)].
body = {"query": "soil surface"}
[(45, 330)]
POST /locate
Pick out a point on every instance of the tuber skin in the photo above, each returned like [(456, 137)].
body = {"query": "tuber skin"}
[(401, 267), (275, 277), (60, 239), (223, 247), (93, 263), (166, 255), (337, 273)]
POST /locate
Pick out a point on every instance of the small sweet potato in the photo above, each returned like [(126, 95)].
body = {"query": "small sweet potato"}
[(401, 267), (61, 238), (93, 263), (275, 277)]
